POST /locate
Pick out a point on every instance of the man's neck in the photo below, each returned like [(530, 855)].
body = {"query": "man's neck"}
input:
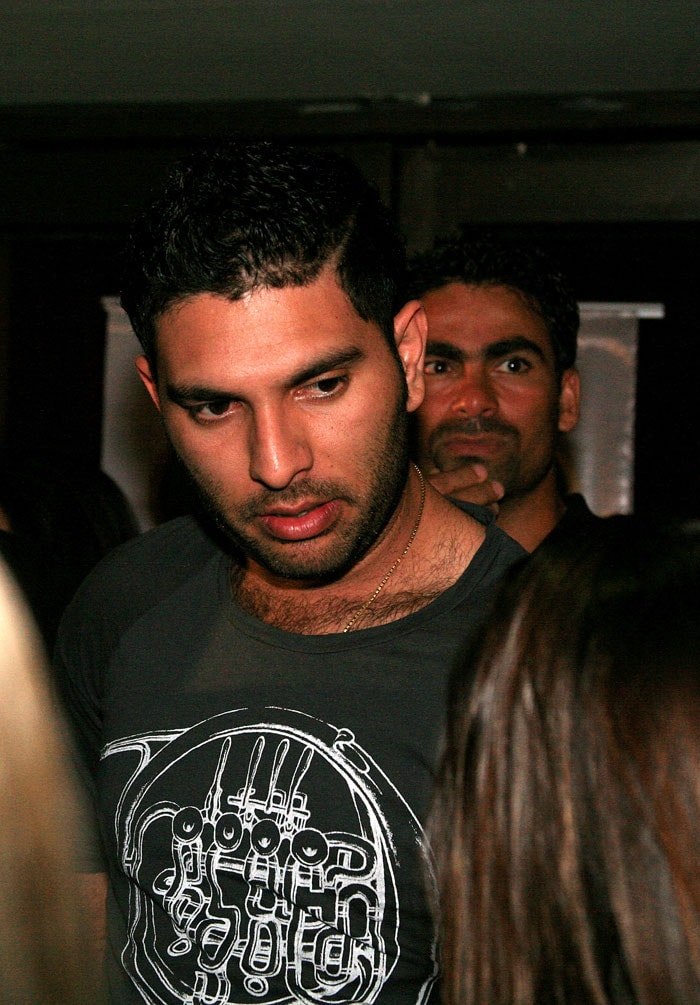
[(529, 519), (444, 543)]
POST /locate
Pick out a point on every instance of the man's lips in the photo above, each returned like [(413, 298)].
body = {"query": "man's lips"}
[(480, 445), (305, 522)]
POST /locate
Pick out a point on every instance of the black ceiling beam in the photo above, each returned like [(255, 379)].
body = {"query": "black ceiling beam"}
[(486, 118)]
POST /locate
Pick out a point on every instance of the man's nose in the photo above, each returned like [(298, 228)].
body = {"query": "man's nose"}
[(475, 394), (279, 448)]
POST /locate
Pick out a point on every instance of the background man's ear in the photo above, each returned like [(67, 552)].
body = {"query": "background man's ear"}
[(149, 382), (411, 333), (569, 400)]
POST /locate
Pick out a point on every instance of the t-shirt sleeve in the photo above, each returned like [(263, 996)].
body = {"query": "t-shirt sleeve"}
[(123, 587)]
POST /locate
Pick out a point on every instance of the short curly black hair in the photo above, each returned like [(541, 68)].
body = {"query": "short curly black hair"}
[(240, 215), (489, 262)]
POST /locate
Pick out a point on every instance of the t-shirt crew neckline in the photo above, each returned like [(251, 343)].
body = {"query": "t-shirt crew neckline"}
[(251, 626)]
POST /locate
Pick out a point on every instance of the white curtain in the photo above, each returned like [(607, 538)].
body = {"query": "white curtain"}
[(133, 442), (599, 454)]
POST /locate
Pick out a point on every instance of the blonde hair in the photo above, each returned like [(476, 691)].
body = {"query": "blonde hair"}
[(42, 958)]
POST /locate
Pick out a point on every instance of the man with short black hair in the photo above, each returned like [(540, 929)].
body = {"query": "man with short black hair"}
[(259, 706), (501, 385)]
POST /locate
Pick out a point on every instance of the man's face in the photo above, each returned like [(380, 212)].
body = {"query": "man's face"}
[(290, 413), (492, 393)]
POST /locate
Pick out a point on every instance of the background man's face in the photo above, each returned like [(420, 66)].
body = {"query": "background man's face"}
[(289, 411), (492, 393)]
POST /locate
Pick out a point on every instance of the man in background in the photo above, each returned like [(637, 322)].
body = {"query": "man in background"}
[(501, 386)]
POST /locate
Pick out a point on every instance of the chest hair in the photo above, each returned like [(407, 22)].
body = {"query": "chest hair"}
[(305, 612)]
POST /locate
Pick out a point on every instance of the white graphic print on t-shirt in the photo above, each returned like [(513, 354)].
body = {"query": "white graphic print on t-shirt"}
[(261, 853)]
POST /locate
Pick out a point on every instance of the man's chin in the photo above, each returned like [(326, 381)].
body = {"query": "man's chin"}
[(311, 565)]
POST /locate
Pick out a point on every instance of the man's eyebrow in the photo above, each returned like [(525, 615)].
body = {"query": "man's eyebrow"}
[(519, 343), (186, 394), (446, 350), (495, 350), (181, 394), (332, 361)]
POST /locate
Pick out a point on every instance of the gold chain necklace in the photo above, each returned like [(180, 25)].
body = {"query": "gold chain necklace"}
[(368, 603)]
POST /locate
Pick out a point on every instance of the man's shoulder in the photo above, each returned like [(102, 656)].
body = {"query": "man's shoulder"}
[(139, 573), (482, 514), (496, 550), (578, 509), (172, 549), (498, 553), (497, 542), (578, 516)]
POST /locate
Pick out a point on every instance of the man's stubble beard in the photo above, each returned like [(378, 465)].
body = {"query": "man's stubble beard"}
[(512, 470), (384, 473)]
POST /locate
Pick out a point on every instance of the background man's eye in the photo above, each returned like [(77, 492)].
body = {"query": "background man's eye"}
[(516, 365)]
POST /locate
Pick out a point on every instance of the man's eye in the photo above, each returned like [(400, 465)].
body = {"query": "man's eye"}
[(515, 364), (210, 411), (326, 387), (437, 367), (328, 384)]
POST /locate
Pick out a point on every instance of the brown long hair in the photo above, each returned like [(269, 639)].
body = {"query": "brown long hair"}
[(566, 823)]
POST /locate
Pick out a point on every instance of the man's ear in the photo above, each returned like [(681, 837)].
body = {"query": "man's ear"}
[(149, 381), (410, 334), (569, 400)]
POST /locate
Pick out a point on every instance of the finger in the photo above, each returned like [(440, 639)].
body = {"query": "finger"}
[(459, 485), (466, 474)]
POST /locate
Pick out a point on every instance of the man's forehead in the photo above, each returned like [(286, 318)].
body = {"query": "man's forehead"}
[(473, 317), (458, 295), (278, 332), (325, 288)]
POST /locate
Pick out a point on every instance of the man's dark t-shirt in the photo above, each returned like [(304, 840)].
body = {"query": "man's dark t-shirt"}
[(261, 795)]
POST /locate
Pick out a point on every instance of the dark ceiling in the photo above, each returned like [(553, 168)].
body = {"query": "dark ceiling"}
[(96, 51)]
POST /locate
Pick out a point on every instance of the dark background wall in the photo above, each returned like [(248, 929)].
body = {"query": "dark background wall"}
[(617, 202)]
